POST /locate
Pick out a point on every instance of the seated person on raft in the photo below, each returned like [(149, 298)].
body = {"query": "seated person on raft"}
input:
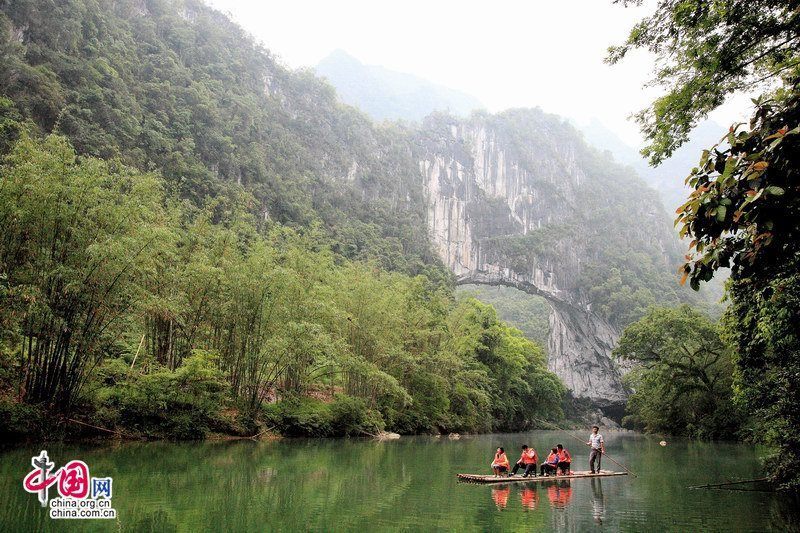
[(500, 462), (528, 460), (564, 461), (550, 464)]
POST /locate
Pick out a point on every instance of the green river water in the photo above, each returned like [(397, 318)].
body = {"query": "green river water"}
[(408, 484)]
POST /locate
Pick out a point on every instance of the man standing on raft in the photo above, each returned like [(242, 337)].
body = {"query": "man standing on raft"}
[(598, 447)]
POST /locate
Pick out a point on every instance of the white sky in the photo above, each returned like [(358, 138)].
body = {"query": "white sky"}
[(507, 53)]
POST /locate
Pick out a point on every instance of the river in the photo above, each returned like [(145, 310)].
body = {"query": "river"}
[(408, 484)]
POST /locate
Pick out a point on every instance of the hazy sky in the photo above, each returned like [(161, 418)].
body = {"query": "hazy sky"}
[(506, 53)]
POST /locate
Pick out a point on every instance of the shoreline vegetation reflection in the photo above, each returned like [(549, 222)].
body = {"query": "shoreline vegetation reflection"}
[(354, 484)]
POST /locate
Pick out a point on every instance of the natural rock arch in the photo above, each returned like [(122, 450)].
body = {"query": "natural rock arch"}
[(494, 218), (579, 344)]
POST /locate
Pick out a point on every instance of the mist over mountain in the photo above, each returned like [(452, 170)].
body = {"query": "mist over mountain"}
[(667, 178), (385, 94), (389, 95)]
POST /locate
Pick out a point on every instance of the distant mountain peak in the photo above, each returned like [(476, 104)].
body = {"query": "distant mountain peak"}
[(387, 94), (339, 56)]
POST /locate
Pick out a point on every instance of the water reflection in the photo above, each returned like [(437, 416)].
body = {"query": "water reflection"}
[(559, 493), (529, 498), (598, 502), (409, 484), (500, 496)]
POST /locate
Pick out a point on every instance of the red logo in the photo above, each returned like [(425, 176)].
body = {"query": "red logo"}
[(73, 478)]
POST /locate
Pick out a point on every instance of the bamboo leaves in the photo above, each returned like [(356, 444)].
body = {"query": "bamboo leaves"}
[(76, 237)]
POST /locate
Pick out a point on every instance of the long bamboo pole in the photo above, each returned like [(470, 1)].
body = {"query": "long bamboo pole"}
[(102, 429), (137, 352), (628, 470), (716, 485)]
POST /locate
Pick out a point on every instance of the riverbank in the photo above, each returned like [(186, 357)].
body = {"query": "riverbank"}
[(335, 417)]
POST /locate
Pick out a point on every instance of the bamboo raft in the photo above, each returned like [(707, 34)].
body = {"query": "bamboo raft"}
[(477, 478)]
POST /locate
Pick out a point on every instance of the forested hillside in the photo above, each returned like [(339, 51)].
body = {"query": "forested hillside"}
[(668, 177), (231, 247), (198, 239), (176, 87), (173, 86), (125, 306)]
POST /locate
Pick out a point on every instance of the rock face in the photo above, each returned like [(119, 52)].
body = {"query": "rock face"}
[(505, 208)]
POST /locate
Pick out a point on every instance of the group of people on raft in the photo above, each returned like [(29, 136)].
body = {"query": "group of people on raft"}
[(558, 461)]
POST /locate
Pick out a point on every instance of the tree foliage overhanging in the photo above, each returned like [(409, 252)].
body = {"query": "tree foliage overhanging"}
[(744, 211), (705, 51)]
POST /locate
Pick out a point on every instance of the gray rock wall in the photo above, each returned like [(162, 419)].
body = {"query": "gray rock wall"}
[(478, 191)]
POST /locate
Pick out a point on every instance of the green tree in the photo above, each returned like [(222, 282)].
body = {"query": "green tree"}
[(705, 51), (79, 237), (178, 87), (502, 364), (186, 320), (180, 404), (682, 374), (10, 124), (744, 210), (745, 213)]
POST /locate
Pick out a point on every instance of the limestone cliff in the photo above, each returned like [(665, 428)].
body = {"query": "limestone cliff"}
[(518, 199)]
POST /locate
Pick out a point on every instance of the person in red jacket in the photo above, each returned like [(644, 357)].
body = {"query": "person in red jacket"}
[(500, 462), (564, 461), (528, 460), (549, 465)]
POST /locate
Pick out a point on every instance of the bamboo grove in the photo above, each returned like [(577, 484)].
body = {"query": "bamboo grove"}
[(127, 307)]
